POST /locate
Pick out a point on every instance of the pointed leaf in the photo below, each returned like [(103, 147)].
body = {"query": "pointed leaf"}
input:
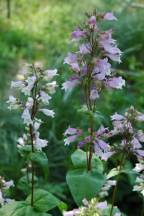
[(43, 200), (84, 184)]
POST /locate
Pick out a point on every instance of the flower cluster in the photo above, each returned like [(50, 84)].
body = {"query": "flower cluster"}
[(93, 208), (90, 63), (101, 147), (3, 186), (139, 185), (125, 127), (35, 92)]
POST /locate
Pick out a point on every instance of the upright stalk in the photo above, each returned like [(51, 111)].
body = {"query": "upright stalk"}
[(31, 130), (32, 166), (116, 186)]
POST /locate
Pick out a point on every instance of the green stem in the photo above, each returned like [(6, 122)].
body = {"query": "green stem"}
[(91, 144), (32, 167), (33, 114), (116, 186), (142, 212)]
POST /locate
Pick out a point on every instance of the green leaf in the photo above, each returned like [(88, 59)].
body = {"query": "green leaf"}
[(9, 209), (84, 184), (106, 211), (40, 158), (79, 160), (43, 200), (18, 208)]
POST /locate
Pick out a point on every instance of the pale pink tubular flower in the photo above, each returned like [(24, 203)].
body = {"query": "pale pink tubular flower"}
[(77, 34), (102, 69), (115, 82), (109, 16), (70, 84), (71, 135)]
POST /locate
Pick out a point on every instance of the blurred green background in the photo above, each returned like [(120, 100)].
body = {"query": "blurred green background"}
[(39, 30)]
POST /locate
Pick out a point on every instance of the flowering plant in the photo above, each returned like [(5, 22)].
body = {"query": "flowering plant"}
[(92, 72), (35, 90)]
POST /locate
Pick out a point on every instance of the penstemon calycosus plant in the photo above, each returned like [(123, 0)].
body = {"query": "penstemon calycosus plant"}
[(34, 92), (92, 72)]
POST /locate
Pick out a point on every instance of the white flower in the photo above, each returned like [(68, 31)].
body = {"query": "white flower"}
[(49, 74), (44, 97), (117, 117), (94, 94), (8, 184), (21, 142), (12, 102), (17, 84), (139, 167), (29, 103), (30, 84), (1, 198), (140, 135), (70, 84), (37, 125), (48, 112), (51, 87), (140, 117), (26, 117), (40, 143)]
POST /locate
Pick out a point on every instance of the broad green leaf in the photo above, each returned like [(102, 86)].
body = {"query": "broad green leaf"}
[(25, 149), (8, 209), (18, 208), (40, 158), (84, 184), (106, 212), (43, 200), (24, 183), (79, 160)]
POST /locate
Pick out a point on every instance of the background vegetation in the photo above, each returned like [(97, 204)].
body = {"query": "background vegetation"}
[(40, 31)]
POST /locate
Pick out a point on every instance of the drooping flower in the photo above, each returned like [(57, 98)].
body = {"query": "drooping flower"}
[(71, 135), (51, 87), (71, 60), (70, 84), (13, 102), (77, 34), (48, 112), (101, 69), (26, 117), (116, 82), (29, 103), (117, 117), (29, 85), (85, 48), (44, 97), (40, 143), (102, 205), (50, 74), (94, 94), (92, 21), (109, 16), (17, 84), (109, 46)]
